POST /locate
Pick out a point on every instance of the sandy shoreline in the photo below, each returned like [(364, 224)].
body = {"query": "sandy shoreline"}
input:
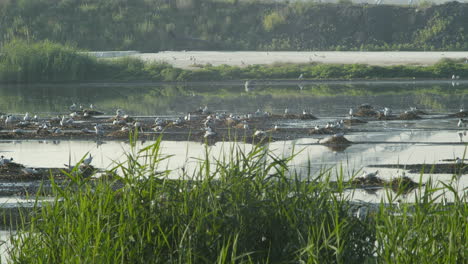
[(187, 59)]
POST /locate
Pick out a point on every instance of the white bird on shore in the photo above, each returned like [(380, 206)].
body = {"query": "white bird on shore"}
[(98, 130), (28, 170), (247, 86), (362, 213), (258, 112), (119, 113), (340, 134), (350, 113), (9, 120), (88, 160), (56, 130), (158, 121), (286, 111), (458, 160), (370, 174), (5, 161), (209, 133), (137, 125), (178, 121), (65, 121), (460, 122), (205, 110), (387, 111), (158, 129), (301, 77), (72, 107), (27, 117), (117, 122), (259, 133)]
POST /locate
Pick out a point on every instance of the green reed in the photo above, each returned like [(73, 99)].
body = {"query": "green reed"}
[(247, 207)]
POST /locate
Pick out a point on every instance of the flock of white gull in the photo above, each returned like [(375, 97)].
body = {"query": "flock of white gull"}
[(126, 123)]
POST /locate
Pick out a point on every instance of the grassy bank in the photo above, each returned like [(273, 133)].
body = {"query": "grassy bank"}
[(248, 208), (24, 62)]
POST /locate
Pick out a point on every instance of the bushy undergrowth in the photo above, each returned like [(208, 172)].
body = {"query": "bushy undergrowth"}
[(249, 208), (21, 61)]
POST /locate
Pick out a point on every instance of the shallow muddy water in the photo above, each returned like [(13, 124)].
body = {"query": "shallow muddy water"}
[(428, 141)]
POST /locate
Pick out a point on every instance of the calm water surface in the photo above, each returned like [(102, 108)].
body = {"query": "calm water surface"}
[(405, 142)]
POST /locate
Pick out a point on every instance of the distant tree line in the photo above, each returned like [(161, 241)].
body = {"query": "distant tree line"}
[(154, 25)]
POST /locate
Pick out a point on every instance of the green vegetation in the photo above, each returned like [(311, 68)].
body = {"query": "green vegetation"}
[(247, 208), (24, 62), (236, 25), (21, 61)]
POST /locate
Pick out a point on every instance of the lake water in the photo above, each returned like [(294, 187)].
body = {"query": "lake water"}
[(381, 142), (404, 142)]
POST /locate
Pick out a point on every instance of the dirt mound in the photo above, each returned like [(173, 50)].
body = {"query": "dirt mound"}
[(307, 117), (353, 121), (369, 181), (365, 107), (460, 114), (119, 134), (337, 140), (366, 112), (324, 131), (403, 184), (444, 168), (381, 116), (409, 116)]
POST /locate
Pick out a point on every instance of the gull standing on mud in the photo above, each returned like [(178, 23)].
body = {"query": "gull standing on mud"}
[(247, 86), (5, 161), (9, 120), (461, 122), (28, 170), (98, 130), (88, 160), (72, 107), (27, 117), (209, 133)]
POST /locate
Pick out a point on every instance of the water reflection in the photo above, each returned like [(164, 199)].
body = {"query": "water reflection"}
[(323, 99)]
